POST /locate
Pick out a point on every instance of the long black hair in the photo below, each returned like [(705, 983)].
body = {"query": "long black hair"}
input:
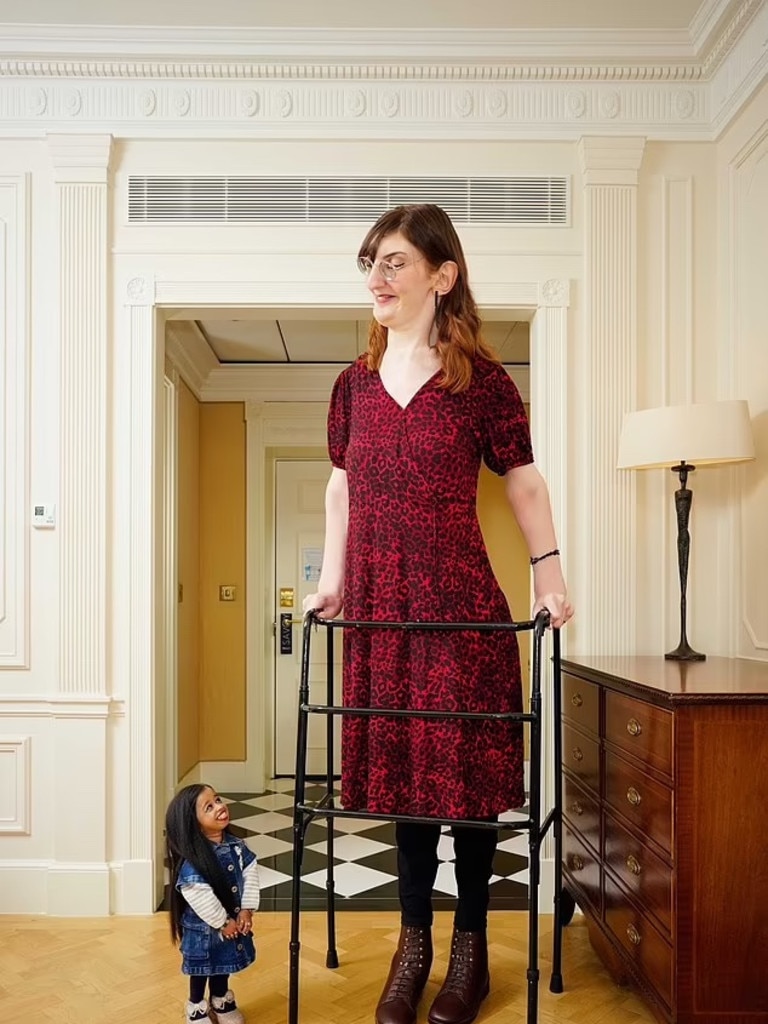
[(184, 840)]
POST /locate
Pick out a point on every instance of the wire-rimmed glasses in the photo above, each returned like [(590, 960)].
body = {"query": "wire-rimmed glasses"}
[(387, 268)]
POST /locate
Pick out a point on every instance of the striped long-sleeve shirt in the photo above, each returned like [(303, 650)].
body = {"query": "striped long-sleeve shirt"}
[(207, 905)]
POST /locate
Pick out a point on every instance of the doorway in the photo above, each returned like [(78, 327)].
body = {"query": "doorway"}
[(299, 489), (285, 408)]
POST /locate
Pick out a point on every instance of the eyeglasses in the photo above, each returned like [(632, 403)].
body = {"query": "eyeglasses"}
[(386, 268)]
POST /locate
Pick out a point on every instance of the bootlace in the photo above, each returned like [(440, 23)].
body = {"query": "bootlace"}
[(410, 965), (460, 965)]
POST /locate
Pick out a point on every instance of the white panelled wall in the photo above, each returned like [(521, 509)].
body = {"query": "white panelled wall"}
[(653, 293)]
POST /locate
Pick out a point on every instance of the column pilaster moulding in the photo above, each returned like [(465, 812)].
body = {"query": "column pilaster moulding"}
[(15, 287), (80, 159), (610, 160), (610, 173), (145, 373), (80, 173), (549, 431)]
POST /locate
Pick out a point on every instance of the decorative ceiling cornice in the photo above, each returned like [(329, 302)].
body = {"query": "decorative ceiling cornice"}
[(89, 52)]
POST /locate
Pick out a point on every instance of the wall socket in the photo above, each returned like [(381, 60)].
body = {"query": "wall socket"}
[(227, 593)]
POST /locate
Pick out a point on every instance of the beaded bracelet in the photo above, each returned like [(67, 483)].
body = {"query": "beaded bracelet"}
[(548, 554)]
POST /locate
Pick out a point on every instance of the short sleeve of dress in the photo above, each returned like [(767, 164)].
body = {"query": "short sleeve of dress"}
[(506, 433), (338, 421)]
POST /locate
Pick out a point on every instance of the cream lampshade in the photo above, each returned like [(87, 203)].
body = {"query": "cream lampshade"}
[(683, 437)]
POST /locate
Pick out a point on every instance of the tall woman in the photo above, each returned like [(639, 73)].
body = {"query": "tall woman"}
[(409, 425)]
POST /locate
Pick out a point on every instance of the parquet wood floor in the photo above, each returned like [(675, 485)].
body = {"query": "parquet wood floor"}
[(124, 970)]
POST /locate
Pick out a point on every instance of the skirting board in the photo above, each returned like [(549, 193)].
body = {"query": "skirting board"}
[(76, 889)]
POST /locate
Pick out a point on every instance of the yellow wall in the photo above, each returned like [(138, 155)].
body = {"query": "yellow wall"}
[(507, 551), (222, 726), (188, 647)]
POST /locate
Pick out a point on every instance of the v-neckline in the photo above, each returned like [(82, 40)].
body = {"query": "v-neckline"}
[(416, 393)]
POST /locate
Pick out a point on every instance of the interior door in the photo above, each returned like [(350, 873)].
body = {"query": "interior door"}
[(299, 536)]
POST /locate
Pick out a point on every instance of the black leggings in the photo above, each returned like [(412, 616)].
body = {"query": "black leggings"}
[(417, 868), (217, 986)]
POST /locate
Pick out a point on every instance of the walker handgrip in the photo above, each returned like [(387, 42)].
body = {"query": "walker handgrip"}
[(542, 621)]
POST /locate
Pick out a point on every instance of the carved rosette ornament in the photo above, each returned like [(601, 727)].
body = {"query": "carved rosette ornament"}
[(610, 104), (137, 290), (284, 103), (683, 104), (249, 102), (73, 102), (576, 103), (554, 292), (463, 103), (182, 102), (497, 103), (37, 101), (148, 102), (390, 104), (354, 103)]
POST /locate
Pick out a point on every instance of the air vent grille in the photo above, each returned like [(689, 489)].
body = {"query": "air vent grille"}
[(519, 201)]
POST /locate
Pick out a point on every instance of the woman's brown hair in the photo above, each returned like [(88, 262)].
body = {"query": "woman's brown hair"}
[(457, 323)]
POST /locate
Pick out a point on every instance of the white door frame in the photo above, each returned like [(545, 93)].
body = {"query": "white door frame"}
[(270, 423)]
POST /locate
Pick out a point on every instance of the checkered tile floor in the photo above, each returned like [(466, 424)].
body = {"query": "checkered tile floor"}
[(364, 856)]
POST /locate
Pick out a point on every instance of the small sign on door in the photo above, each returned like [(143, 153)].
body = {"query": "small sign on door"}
[(311, 561)]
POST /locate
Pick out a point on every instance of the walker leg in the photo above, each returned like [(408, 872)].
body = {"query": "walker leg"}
[(294, 946), (331, 956), (556, 980)]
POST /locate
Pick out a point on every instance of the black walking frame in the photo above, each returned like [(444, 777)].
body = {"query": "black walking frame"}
[(537, 829)]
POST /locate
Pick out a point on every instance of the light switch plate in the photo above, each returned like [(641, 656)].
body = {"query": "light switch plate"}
[(44, 516)]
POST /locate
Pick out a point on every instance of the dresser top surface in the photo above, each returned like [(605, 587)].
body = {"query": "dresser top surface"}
[(716, 679)]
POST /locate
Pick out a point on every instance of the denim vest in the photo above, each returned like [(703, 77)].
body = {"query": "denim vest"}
[(203, 950)]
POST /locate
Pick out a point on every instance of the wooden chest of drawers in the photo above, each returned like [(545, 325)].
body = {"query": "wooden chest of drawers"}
[(665, 828)]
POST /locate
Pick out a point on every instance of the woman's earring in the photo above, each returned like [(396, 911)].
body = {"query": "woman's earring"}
[(433, 333)]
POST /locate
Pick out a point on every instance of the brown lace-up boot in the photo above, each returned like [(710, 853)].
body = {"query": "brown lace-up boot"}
[(407, 977), (467, 982)]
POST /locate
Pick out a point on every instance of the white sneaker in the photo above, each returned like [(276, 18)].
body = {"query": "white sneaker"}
[(225, 1009), (197, 1012)]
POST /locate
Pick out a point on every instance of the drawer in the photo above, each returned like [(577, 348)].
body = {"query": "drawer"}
[(582, 867), (581, 757), (641, 872), (581, 703), (639, 799), (648, 951), (640, 729), (582, 811)]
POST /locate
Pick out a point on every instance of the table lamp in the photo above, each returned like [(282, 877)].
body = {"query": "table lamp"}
[(683, 437)]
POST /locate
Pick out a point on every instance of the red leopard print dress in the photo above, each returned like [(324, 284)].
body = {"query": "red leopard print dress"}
[(415, 551)]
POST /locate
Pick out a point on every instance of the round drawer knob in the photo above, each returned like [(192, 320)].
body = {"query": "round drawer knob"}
[(577, 700), (633, 935), (577, 754), (633, 727), (577, 862), (633, 864), (633, 796)]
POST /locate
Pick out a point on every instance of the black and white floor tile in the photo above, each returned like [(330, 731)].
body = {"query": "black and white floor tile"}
[(364, 856)]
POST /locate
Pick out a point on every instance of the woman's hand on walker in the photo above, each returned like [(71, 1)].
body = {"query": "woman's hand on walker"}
[(559, 607), (327, 606)]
